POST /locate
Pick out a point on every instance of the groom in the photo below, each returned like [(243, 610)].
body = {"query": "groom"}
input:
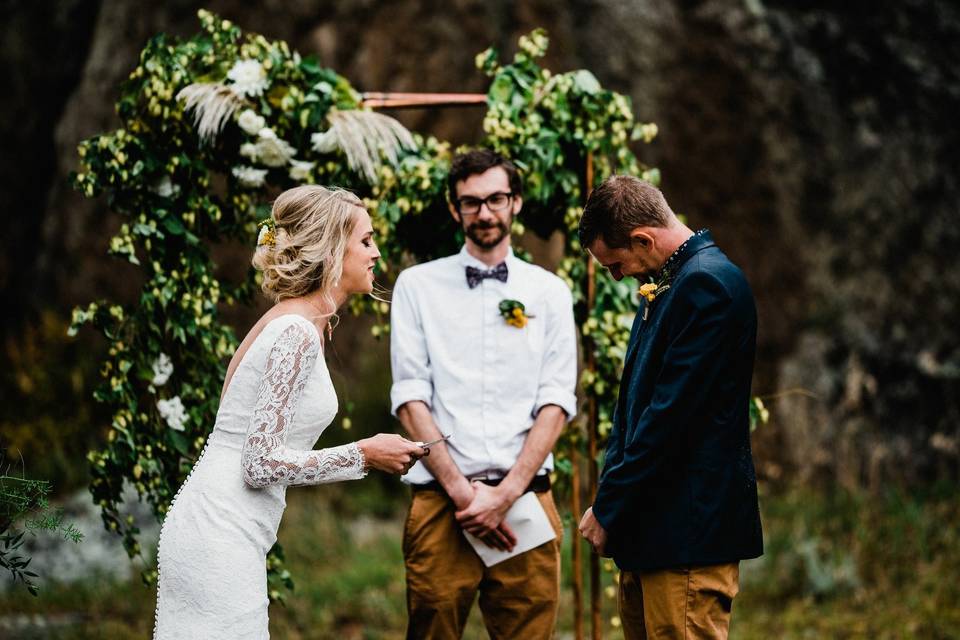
[(470, 363), (676, 506)]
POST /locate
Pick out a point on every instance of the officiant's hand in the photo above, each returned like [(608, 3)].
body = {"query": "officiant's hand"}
[(484, 516), (593, 531), (390, 452)]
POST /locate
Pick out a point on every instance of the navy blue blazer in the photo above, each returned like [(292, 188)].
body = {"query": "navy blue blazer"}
[(678, 486)]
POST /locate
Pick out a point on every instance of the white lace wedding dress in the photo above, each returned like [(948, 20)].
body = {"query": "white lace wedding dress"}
[(224, 519)]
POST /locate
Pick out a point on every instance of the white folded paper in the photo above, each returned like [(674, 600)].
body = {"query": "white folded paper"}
[(529, 523)]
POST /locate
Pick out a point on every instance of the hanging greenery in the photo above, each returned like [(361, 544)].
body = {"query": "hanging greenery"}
[(24, 508), (212, 128)]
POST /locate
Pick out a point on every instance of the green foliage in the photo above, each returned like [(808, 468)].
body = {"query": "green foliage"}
[(548, 123), (841, 564), (904, 546), (183, 184), (759, 414), (23, 499)]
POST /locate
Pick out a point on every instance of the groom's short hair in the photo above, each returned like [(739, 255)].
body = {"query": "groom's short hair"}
[(617, 207), (476, 162)]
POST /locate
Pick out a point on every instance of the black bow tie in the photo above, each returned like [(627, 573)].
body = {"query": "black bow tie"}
[(474, 275)]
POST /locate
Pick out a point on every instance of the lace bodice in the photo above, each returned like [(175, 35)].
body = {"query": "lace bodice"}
[(278, 402), (266, 458)]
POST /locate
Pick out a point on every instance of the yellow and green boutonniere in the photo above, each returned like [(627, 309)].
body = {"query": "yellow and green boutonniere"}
[(513, 313), (650, 291)]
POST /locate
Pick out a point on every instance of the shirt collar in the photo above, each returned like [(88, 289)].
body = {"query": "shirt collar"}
[(699, 240), (468, 260)]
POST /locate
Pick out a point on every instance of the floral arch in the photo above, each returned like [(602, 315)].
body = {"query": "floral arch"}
[(213, 126)]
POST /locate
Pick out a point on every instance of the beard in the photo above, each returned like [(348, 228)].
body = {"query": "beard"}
[(487, 241)]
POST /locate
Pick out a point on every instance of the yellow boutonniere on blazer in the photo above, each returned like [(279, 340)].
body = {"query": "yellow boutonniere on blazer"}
[(650, 291)]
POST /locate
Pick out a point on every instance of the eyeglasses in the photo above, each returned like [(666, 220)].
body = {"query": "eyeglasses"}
[(496, 202)]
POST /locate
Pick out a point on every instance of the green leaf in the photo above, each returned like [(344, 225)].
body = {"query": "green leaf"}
[(173, 225), (501, 89), (179, 442)]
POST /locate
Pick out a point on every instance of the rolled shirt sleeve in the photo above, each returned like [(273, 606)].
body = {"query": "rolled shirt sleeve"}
[(558, 371), (409, 359)]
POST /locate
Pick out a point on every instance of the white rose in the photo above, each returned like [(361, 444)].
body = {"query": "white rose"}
[(165, 188), (250, 122), (249, 78), (162, 369), (248, 150), (271, 150), (173, 412), (300, 170), (250, 177)]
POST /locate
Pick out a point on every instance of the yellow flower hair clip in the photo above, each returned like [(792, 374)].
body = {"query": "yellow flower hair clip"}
[(268, 233)]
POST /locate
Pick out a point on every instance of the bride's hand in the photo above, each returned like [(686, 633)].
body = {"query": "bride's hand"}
[(390, 452)]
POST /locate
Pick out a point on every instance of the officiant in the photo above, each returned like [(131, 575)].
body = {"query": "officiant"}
[(483, 350)]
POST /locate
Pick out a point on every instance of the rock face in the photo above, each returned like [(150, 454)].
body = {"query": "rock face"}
[(818, 143)]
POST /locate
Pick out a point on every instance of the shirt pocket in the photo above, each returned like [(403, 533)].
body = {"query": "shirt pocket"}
[(525, 342), (521, 357)]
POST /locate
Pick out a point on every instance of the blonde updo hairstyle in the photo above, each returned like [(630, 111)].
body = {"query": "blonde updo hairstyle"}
[(313, 227)]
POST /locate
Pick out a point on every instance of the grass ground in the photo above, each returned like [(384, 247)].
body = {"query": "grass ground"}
[(837, 566)]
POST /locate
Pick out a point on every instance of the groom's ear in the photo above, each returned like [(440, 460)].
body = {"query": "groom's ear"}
[(641, 236)]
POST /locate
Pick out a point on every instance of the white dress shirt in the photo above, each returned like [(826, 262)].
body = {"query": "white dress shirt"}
[(483, 379)]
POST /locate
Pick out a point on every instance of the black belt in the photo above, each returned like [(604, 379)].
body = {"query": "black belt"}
[(539, 484)]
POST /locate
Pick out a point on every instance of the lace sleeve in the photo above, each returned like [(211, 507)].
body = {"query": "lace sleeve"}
[(266, 460)]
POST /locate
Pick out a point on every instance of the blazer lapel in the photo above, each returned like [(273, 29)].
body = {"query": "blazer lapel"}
[(696, 243), (634, 342)]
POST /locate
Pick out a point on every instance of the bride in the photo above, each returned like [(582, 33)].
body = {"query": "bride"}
[(277, 399)]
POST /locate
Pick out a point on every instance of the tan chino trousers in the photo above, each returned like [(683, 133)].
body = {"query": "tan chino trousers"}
[(678, 604), (518, 597)]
